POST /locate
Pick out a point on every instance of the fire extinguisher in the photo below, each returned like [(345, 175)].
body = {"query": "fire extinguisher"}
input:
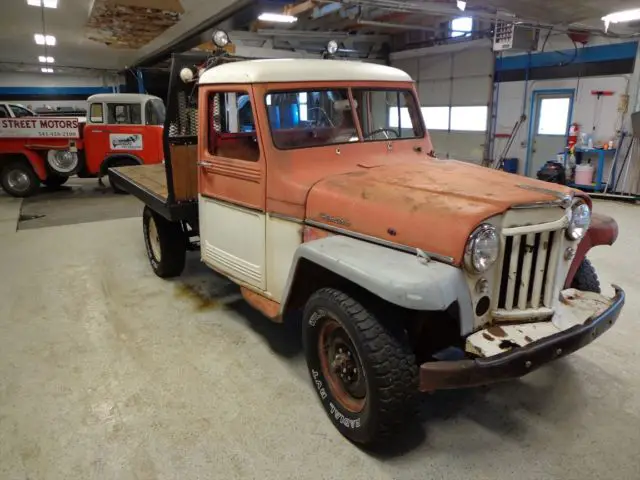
[(574, 133)]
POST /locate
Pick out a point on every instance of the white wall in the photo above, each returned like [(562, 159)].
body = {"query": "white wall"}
[(33, 83), (19, 79), (459, 77), (586, 109)]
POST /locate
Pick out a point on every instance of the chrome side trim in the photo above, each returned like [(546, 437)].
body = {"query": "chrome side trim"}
[(550, 204), (279, 216), (379, 241)]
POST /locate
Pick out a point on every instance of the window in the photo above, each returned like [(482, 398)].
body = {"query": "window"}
[(388, 114), (232, 127), (461, 27), (469, 119), (301, 119), (4, 113), (554, 116), (19, 111), (436, 118), (124, 113), (95, 113), (154, 112)]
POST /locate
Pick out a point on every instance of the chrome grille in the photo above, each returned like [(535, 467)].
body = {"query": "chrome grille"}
[(528, 270)]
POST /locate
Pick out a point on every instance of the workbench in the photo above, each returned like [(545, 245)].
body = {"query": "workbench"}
[(602, 154)]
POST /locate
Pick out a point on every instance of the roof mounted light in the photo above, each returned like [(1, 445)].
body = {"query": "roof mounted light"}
[(621, 17), (277, 18), (332, 47), (220, 39)]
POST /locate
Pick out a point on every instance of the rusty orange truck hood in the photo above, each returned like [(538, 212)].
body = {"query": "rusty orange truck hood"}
[(433, 205)]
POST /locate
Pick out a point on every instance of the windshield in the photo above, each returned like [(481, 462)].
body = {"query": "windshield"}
[(387, 114), (155, 112), (312, 118)]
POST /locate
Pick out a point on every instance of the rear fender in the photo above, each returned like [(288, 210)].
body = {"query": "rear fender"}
[(399, 278), (603, 231), (106, 164), (33, 157)]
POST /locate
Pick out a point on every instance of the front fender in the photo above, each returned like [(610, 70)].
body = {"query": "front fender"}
[(399, 278), (603, 231)]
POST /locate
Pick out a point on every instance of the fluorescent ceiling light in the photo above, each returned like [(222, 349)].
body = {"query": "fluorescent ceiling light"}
[(47, 3), (46, 70), (277, 17), (46, 59), (462, 5), (621, 17), (41, 39)]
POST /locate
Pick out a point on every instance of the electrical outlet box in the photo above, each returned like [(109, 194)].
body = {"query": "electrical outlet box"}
[(509, 36)]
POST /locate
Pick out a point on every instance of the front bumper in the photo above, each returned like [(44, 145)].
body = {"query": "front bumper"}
[(521, 360)]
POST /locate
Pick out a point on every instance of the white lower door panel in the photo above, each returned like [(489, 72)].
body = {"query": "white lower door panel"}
[(232, 240)]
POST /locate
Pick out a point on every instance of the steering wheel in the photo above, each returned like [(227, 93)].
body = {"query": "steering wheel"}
[(383, 130)]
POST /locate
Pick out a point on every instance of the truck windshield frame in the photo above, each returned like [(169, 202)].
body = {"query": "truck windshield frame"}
[(317, 117)]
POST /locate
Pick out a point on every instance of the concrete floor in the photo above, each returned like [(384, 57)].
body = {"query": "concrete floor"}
[(108, 372)]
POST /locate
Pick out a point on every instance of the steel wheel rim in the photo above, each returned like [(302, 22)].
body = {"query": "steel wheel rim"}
[(154, 240), (18, 180), (341, 366)]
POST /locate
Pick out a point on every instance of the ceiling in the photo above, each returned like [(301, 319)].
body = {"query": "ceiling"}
[(114, 34), (94, 34)]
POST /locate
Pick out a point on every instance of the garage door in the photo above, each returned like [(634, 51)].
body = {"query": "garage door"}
[(454, 90)]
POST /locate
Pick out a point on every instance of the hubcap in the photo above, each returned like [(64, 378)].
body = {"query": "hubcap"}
[(341, 366), (154, 240), (18, 180)]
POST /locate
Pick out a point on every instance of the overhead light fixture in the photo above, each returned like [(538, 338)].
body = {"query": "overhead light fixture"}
[(46, 59), (46, 70), (621, 17), (462, 5), (45, 3), (42, 39), (277, 18)]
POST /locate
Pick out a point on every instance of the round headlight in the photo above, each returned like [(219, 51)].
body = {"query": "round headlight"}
[(221, 39), (332, 47), (63, 161), (580, 221), (482, 249)]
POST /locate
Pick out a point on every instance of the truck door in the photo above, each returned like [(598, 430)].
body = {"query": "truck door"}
[(96, 138), (154, 115), (231, 173)]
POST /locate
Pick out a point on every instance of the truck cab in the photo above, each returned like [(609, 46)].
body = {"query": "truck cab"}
[(313, 186), (123, 129)]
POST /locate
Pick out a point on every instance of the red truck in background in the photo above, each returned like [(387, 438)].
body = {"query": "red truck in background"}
[(120, 129)]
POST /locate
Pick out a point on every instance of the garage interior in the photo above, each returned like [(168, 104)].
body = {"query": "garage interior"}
[(107, 371)]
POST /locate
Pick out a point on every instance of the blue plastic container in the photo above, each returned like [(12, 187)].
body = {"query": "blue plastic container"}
[(510, 165)]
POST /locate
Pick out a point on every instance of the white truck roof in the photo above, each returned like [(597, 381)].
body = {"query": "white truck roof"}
[(300, 70), (121, 97)]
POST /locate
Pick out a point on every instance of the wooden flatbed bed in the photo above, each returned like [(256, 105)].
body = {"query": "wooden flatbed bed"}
[(171, 189)]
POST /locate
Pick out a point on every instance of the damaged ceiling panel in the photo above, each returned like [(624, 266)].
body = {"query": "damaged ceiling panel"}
[(131, 24)]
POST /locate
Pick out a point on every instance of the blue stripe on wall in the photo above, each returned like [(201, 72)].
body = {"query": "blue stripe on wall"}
[(601, 53), (56, 90)]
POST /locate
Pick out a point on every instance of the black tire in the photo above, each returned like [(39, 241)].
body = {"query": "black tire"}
[(586, 278), (55, 181), (170, 240), (390, 380), (18, 179)]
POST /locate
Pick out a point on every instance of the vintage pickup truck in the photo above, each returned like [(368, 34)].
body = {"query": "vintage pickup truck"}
[(312, 184)]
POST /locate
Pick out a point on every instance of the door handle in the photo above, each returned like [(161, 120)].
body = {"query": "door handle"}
[(205, 164)]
